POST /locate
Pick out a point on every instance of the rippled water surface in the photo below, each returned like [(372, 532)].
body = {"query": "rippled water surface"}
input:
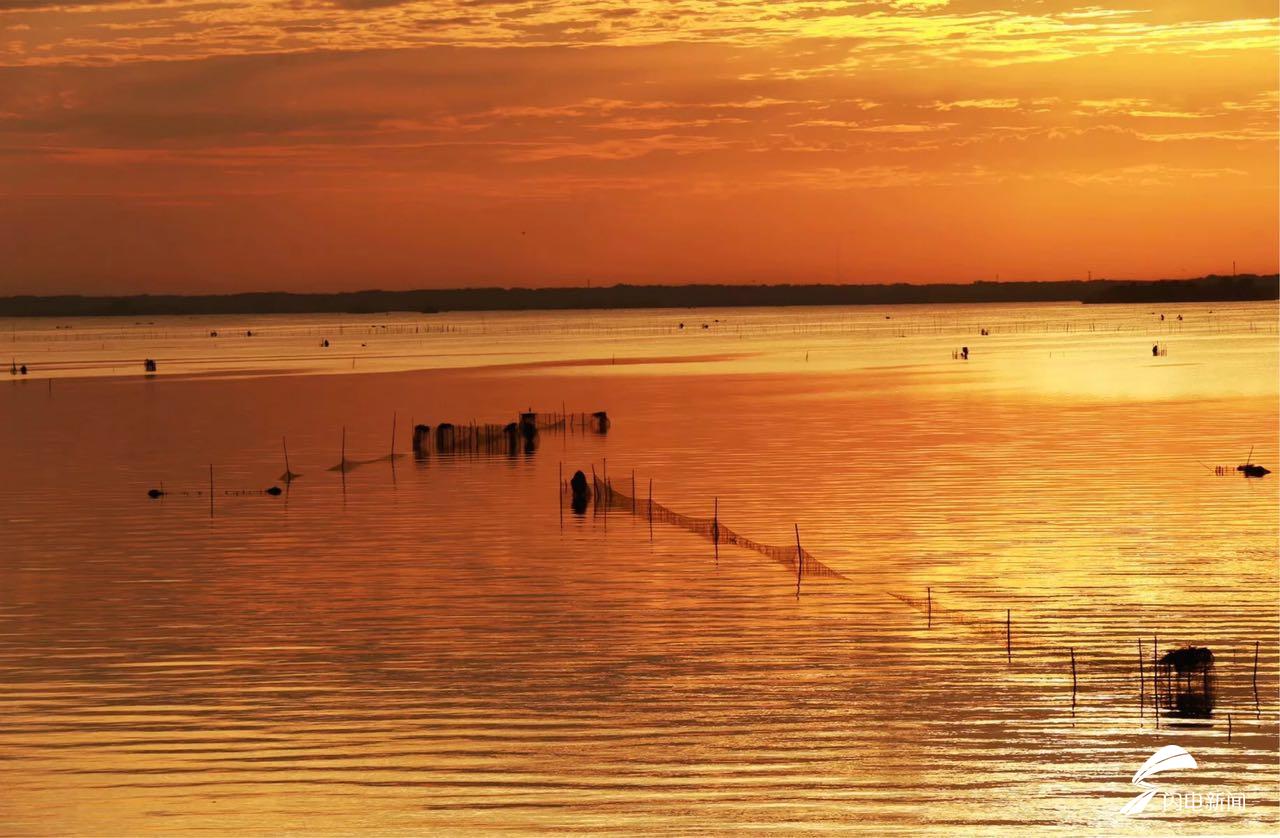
[(439, 643)]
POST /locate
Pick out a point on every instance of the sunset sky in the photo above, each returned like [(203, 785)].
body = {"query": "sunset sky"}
[(224, 145)]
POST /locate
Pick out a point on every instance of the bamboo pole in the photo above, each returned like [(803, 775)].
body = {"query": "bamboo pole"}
[(650, 510), (1008, 634), (1155, 678), (1073, 675), (210, 490), (929, 599), (1142, 683), (393, 435), (715, 528), (799, 561)]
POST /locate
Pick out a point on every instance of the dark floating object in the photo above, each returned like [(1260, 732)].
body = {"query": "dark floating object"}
[(445, 436), (149, 365), (581, 492), (324, 344), (1251, 470), (421, 439), (529, 430), (155, 493), (600, 422), (1185, 681), (275, 490)]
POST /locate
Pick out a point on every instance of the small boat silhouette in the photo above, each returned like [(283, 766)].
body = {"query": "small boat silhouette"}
[(1249, 469)]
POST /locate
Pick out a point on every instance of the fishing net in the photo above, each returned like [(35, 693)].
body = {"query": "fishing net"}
[(715, 530)]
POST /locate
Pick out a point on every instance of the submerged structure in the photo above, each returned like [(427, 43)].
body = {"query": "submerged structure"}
[(1185, 681)]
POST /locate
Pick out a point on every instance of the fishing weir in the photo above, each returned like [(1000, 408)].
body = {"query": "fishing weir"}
[(1179, 686)]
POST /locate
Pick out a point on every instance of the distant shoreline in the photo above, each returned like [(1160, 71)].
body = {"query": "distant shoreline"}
[(1212, 288)]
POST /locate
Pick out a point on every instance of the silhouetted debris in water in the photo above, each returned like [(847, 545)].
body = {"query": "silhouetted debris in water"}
[(421, 439), (529, 430), (445, 436), (1185, 681), (1251, 470), (600, 422), (155, 493), (149, 365), (275, 490), (581, 492)]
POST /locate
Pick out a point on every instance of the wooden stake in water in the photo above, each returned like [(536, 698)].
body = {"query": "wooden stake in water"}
[(1073, 676), (560, 492), (633, 491), (929, 599), (715, 528), (210, 490), (1255, 665), (1155, 678), (288, 472), (393, 435), (650, 510), (1142, 683), (799, 561), (1008, 634)]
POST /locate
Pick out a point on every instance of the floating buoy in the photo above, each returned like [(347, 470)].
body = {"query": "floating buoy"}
[(155, 493), (275, 490)]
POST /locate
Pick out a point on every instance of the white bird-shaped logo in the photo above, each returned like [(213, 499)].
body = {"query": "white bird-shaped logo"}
[(1168, 758)]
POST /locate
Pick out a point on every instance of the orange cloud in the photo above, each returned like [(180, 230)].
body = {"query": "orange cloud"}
[(292, 143)]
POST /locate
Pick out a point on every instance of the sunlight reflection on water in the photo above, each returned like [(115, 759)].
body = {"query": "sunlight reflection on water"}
[(426, 643)]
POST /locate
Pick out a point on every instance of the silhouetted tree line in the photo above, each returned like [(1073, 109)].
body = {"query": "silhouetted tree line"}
[(1204, 289)]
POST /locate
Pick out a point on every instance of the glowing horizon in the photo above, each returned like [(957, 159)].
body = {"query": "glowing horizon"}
[(197, 146)]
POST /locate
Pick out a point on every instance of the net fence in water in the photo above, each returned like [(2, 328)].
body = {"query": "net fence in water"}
[(810, 566), (938, 612), (715, 530)]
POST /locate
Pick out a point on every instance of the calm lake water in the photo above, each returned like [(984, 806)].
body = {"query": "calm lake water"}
[(437, 644)]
